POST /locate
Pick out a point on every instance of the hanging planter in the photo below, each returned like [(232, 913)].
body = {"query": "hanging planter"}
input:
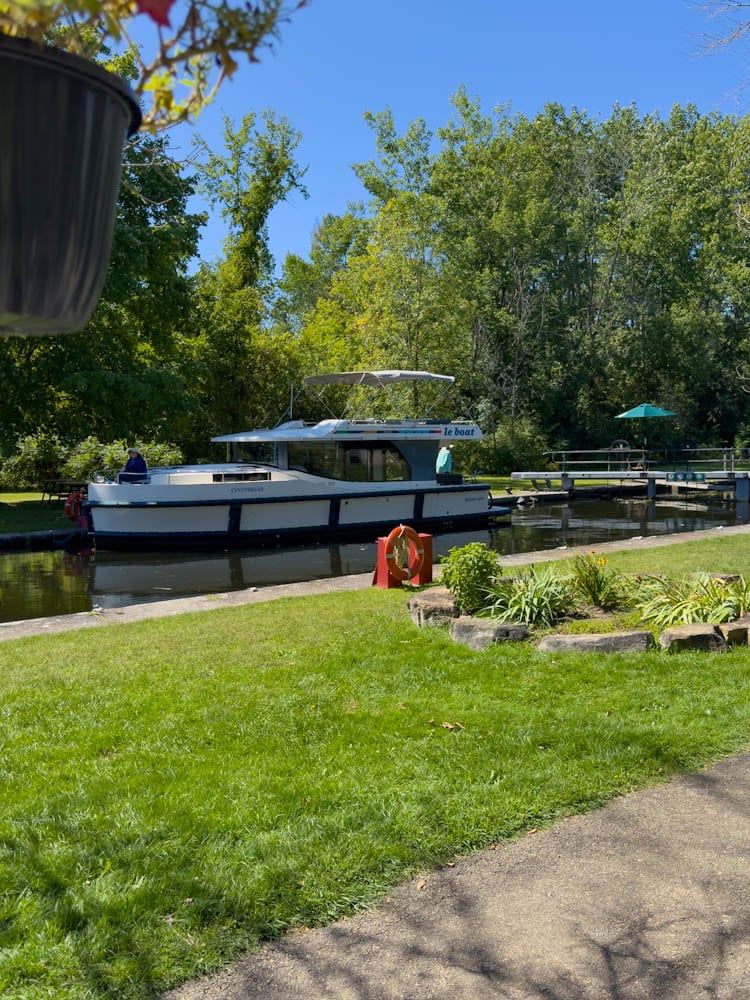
[(63, 122)]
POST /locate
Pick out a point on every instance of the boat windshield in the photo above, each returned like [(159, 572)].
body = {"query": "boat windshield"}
[(349, 462)]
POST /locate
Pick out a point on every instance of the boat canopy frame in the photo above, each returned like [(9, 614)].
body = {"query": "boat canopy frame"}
[(384, 379)]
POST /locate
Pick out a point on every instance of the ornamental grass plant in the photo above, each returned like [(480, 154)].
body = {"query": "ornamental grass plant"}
[(535, 597), (662, 601), (596, 582)]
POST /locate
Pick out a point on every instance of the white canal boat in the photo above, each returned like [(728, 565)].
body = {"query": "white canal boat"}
[(335, 479)]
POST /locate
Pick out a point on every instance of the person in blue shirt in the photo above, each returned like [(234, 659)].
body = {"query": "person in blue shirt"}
[(135, 468), (444, 460)]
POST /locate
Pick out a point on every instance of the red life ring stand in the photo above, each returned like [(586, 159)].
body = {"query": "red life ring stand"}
[(74, 506), (396, 570)]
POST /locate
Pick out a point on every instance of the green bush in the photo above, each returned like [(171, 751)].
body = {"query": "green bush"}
[(533, 598), (88, 457), (92, 456), (161, 453), (42, 456), (511, 446), (467, 572), (595, 583), (38, 457), (699, 597)]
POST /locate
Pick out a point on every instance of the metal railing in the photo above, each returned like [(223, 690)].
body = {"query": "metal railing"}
[(622, 459)]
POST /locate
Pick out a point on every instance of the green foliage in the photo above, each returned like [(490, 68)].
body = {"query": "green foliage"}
[(536, 597), (37, 457), (508, 445), (127, 373), (596, 583), (698, 597), (42, 456), (467, 571), (561, 266), (91, 456), (240, 368)]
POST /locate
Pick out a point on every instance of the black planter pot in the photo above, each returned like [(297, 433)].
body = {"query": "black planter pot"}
[(63, 124)]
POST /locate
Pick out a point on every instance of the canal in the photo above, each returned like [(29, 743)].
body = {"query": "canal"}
[(36, 584)]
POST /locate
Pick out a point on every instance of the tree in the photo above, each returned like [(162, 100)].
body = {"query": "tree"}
[(242, 370), (337, 241), (120, 376)]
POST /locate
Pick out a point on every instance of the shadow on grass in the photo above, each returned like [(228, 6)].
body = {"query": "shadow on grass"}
[(645, 898)]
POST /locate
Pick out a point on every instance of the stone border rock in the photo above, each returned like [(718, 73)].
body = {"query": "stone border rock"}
[(598, 642), (436, 606), (480, 633), (706, 637)]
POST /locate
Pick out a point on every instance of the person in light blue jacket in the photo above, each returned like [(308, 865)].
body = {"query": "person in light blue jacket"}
[(445, 459)]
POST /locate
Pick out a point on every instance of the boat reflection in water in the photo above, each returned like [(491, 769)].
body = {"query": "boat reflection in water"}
[(118, 578), (36, 584)]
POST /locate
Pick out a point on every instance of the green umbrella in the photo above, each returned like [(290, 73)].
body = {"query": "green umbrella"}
[(644, 410)]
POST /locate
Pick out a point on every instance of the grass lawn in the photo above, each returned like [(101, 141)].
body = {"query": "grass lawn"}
[(20, 512), (729, 554), (177, 790)]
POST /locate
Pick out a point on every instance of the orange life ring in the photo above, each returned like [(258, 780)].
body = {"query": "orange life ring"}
[(397, 571), (74, 505)]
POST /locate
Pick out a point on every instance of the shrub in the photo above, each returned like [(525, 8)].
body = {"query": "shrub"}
[(467, 572), (42, 456), (512, 445), (533, 598), (38, 457), (595, 583), (85, 459), (92, 456), (699, 597), (161, 453)]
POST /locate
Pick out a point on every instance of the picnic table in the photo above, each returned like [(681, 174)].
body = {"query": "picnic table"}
[(60, 489)]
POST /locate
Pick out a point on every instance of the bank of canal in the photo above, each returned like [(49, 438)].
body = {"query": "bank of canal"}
[(38, 583)]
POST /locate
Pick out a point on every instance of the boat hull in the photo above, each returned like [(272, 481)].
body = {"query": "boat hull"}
[(225, 522)]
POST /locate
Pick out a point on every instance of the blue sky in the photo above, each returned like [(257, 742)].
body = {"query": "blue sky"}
[(339, 58)]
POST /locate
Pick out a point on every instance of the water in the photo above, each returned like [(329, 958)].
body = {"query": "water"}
[(35, 584)]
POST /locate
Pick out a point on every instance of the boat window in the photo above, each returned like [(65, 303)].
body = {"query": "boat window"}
[(349, 462), (263, 453), (240, 477)]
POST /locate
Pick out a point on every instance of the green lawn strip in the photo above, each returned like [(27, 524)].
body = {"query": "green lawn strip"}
[(177, 790), (21, 512), (720, 554)]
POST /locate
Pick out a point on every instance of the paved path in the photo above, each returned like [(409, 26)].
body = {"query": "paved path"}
[(645, 899)]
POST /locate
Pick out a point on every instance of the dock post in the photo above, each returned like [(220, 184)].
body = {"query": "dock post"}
[(566, 482), (742, 488), (651, 488)]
